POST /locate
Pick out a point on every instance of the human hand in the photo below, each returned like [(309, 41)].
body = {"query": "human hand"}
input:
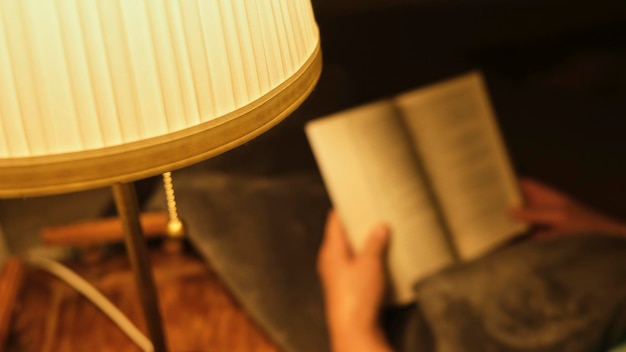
[(353, 286), (556, 214)]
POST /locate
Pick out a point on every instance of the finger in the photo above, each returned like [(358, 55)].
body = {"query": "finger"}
[(376, 242), (540, 216), (548, 234), (542, 235), (538, 193), (335, 243)]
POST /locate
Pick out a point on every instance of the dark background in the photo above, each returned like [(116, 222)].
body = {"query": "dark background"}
[(556, 71)]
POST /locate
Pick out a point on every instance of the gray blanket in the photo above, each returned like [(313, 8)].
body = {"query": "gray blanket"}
[(560, 295)]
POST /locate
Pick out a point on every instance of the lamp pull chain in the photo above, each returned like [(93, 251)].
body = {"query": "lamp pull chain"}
[(175, 227)]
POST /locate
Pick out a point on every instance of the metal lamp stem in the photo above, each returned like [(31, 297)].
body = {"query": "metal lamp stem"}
[(128, 210)]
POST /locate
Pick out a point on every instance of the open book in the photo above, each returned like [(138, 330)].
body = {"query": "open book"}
[(432, 165)]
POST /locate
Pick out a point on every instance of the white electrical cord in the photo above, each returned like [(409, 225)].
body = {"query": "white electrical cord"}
[(92, 294)]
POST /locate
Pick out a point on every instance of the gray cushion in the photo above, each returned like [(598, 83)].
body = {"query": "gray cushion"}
[(560, 295)]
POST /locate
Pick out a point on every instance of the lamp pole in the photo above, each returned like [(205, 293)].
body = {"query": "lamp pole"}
[(128, 211)]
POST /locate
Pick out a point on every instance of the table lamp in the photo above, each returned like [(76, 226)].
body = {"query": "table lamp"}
[(106, 92)]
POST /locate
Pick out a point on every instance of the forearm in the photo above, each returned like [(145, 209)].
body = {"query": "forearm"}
[(353, 340)]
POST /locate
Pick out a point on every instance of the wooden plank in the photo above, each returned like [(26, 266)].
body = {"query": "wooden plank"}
[(10, 284), (109, 230)]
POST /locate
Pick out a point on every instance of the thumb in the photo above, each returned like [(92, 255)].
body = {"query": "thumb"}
[(377, 241)]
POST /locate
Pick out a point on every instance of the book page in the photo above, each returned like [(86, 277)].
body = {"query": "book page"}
[(370, 171), (456, 133)]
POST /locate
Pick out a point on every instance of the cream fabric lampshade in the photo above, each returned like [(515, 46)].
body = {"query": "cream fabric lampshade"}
[(94, 92)]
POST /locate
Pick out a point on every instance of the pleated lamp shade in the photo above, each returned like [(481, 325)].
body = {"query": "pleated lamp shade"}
[(94, 92)]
